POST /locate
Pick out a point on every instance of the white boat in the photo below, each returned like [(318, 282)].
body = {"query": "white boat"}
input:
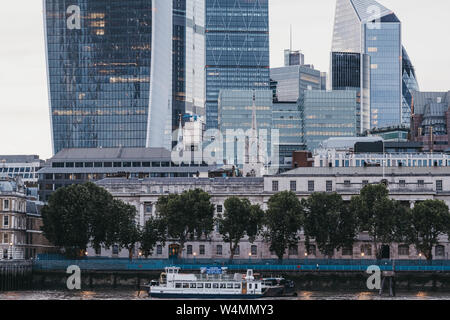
[(211, 283)]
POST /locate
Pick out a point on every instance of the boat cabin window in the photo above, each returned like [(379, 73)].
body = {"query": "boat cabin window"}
[(249, 285), (215, 285), (256, 286), (177, 285), (208, 285), (237, 285), (222, 286), (185, 285), (200, 285), (229, 286), (193, 285)]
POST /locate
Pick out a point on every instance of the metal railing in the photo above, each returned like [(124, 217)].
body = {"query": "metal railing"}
[(56, 263)]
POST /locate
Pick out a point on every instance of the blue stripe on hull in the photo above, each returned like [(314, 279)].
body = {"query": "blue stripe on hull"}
[(204, 296)]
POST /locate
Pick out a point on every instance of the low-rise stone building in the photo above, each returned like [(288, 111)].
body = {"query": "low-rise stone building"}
[(408, 185), (20, 222)]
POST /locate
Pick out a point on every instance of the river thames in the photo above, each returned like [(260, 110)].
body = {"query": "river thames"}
[(142, 295)]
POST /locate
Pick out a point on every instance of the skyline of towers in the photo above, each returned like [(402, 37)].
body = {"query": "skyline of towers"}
[(120, 73)]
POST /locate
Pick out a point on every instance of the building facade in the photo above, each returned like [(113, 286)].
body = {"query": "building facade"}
[(409, 84), (293, 58), (430, 121), (13, 218), (292, 81), (77, 166), (237, 49), (188, 62), (236, 122), (25, 166), (328, 114), (109, 72), (287, 118), (368, 35), (21, 236), (403, 184)]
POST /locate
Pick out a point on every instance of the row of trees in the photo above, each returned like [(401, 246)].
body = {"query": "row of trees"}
[(79, 215), (83, 214)]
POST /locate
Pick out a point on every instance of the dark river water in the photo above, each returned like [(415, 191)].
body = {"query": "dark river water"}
[(135, 295)]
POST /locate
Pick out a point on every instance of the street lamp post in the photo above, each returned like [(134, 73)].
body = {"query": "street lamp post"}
[(10, 250), (195, 254)]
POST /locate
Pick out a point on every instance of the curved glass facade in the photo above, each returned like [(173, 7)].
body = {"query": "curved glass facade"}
[(99, 58), (366, 27), (237, 49), (409, 84)]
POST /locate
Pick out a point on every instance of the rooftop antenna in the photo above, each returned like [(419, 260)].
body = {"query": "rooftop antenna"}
[(290, 43)]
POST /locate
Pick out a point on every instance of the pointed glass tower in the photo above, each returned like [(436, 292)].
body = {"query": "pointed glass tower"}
[(369, 35)]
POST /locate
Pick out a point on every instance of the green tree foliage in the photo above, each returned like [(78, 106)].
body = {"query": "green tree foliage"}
[(124, 230), (240, 219), (187, 216), (283, 220), (430, 219), (78, 215), (152, 234), (380, 216), (329, 222)]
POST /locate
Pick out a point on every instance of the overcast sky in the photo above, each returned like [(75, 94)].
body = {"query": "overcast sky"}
[(24, 113)]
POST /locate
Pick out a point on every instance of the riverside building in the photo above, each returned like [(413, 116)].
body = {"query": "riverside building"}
[(20, 222), (405, 185)]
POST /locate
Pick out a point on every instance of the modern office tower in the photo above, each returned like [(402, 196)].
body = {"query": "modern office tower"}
[(329, 114), (369, 30), (109, 72), (237, 49), (188, 81), (287, 118), (409, 84), (235, 120), (293, 80), (430, 121), (293, 58)]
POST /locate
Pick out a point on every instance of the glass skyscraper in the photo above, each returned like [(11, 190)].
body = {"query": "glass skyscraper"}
[(109, 72), (188, 81), (237, 49), (367, 28), (409, 84)]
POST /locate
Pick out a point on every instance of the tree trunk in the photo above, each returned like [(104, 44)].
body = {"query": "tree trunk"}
[(232, 251), (429, 254)]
